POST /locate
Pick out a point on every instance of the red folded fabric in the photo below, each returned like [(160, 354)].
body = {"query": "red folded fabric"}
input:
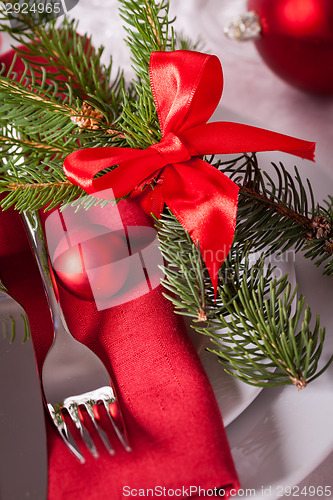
[(179, 444), (174, 424)]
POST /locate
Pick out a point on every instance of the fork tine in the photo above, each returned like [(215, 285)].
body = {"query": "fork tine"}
[(92, 410), (108, 397), (62, 428), (77, 418), (114, 412)]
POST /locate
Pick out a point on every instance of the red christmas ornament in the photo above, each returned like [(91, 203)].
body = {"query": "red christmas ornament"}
[(297, 41), (92, 262)]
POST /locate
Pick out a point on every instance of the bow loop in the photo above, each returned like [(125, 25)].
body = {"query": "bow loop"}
[(172, 149), (186, 90)]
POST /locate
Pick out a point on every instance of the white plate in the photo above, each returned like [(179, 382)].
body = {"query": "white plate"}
[(285, 434)]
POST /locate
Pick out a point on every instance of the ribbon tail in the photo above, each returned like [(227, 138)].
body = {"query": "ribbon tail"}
[(229, 138), (205, 202)]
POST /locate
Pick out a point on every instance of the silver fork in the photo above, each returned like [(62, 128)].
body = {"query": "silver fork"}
[(12, 314), (72, 375)]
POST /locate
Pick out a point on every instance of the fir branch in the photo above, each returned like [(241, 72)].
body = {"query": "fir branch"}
[(154, 24), (278, 207), (259, 339), (34, 109), (83, 107), (36, 96), (32, 170), (280, 212), (149, 29), (30, 189), (36, 128), (42, 132), (15, 186), (183, 42), (70, 59)]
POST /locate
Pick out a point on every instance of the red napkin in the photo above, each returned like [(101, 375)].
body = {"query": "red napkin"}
[(173, 422), (179, 444)]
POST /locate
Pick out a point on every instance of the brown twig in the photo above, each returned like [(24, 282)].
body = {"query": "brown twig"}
[(316, 228), (15, 186), (36, 145), (153, 25), (278, 207)]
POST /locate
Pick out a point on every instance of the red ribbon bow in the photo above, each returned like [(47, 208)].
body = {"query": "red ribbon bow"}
[(187, 87)]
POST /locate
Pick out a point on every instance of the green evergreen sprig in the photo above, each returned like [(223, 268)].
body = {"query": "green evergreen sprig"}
[(40, 131), (68, 58), (45, 108), (30, 190), (148, 29), (261, 331), (279, 211)]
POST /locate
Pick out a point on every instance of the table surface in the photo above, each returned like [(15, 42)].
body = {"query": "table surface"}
[(250, 88)]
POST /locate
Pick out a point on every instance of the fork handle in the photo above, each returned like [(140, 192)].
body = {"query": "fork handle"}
[(34, 230)]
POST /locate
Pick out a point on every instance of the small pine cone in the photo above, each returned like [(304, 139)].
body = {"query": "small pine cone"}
[(321, 228), (89, 120), (329, 246)]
